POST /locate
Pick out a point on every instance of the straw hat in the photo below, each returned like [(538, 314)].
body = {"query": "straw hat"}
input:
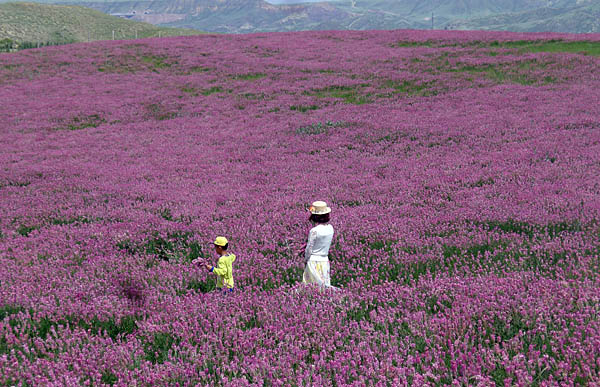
[(319, 208), (221, 241)]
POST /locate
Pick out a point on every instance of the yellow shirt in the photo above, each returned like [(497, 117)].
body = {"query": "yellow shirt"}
[(224, 271)]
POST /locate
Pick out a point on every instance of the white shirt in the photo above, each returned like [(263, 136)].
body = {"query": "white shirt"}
[(319, 241)]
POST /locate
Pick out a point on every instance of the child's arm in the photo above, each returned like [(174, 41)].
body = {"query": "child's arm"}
[(220, 269)]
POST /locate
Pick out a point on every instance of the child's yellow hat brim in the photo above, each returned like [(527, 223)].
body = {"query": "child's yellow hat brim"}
[(221, 241)]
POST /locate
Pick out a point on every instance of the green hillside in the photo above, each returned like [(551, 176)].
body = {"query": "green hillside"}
[(31, 23)]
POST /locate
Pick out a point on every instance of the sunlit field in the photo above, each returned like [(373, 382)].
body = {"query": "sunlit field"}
[(462, 168)]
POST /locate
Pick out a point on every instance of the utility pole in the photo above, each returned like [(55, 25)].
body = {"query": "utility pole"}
[(113, 34), (431, 19), (136, 34)]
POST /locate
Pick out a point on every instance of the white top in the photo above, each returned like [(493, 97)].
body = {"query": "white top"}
[(319, 241)]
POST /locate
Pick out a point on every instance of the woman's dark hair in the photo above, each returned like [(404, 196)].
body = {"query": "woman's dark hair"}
[(322, 218)]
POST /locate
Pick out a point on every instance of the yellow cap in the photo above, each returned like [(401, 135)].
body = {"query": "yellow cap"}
[(221, 241)]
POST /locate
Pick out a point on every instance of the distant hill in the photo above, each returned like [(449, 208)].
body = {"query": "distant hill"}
[(242, 16), (296, 1), (419, 12), (56, 24), (444, 10), (232, 16), (583, 19), (239, 16)]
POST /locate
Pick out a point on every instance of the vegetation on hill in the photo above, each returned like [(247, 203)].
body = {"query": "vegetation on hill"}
[(243, 16), (580, 19), (30, 24)]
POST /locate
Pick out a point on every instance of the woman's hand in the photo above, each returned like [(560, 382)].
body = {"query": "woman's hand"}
[(208, 266), (302, 250)]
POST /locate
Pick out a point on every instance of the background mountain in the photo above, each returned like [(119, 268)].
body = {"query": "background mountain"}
[(240, 16), (295, 1), (449, 13), (581, 19), (55, 24)]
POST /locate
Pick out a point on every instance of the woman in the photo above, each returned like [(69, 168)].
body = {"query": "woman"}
[(316, 252)]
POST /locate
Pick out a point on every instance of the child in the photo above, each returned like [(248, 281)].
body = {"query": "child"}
[(224, 268)]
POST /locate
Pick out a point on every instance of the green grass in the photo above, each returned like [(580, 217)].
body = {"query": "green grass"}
[(409, 87), (251, 322), (24, 230), (165, 248), (482, 182), (82, 122), (15, 184), (355, 94), (9, 310), (26, 24), (175, 245), (530, 230), (108, 377), (303, 108), (493, 256), (253, 96), (67, 221), (361, 312), (190, 90), (159, 112), (319, 127), (195, 285), (156, 62), (199, 69), (249, 77), (558, 46), (350, 94), (212, 90), (41, 328), (291, 275), (526, 72), (501, 330), (405, 43), (521, 72), (157, 349), (497, 256)]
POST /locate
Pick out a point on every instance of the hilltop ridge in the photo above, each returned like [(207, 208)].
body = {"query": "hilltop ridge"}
[(240, 16), (56, 24), (579, 19), (246, 16)]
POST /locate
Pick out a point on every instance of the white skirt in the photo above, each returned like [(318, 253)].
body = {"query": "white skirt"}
[(317, 272)]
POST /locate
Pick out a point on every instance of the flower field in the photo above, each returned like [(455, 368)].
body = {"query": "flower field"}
[(462, 168)]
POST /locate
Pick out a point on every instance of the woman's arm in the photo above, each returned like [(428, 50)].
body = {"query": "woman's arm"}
[(312, 236)]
